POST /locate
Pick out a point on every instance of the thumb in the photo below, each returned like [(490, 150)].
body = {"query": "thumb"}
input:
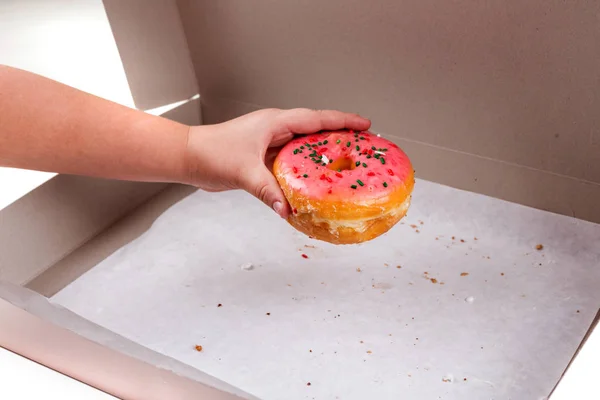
[(263, 185)]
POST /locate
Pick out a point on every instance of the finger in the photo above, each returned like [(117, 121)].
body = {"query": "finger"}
[(279, 140), (303, 120), (262, 184)]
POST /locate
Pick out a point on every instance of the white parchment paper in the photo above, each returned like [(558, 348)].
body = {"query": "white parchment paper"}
[(454, 303)]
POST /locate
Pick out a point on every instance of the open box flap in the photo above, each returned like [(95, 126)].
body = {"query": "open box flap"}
[(173, 376)]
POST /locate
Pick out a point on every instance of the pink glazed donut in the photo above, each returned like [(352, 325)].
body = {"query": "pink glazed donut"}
[(344, 187)]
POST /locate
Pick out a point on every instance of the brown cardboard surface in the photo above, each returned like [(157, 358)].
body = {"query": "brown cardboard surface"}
[(509, 89)]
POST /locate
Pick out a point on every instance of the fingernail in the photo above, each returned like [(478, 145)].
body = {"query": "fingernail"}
[(278, 207)]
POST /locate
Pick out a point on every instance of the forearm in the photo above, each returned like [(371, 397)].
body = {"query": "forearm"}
[(48, 126)]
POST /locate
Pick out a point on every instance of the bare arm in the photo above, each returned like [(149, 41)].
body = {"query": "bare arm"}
[(48, 126)]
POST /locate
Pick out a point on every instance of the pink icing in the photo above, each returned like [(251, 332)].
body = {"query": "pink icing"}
[(322, 181)]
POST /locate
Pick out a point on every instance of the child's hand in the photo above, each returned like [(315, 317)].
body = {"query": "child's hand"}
[(238, 154)]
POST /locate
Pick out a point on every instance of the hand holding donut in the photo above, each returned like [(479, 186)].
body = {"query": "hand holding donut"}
[(237, 154), (344, 184)]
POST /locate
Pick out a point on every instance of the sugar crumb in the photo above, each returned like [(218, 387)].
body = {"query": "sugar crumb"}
[(247, 267), (198, 348)]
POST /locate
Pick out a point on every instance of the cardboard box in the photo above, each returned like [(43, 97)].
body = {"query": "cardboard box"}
[(494, 99)]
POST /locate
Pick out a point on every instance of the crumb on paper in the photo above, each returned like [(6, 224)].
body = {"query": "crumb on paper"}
[(465, 379), (198, 348), (307, 383), (268, 313), (417, 231), (369, 352), (442, 283), (464, 273), (462, 240), (386, 265), (289, 284), (453, 238), (539, 247), (421, 222), (310, 351), (219, 305), (358, 269), (577, 311), (433, 280), (398, 266), (247, 267), (449, 378), (304, 255), (470, 299), (309, 246), (501, 273), (437, 239), (425, 272)]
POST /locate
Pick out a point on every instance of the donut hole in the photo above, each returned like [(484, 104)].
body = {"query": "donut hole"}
[(342, 164)]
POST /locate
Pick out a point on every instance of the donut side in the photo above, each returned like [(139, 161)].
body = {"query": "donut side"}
[(343, 221)]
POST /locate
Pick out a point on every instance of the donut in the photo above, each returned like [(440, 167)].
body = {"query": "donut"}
[(344, 187)]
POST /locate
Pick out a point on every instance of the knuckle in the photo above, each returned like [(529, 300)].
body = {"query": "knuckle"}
[(261, 191)]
